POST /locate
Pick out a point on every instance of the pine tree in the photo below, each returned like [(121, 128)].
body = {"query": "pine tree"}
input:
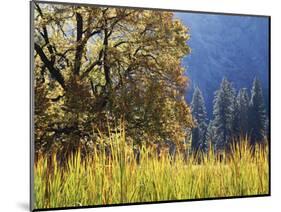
[(210, 135), (223, 114), (241, 113), (199, 114), (257, 114), (267, 128)]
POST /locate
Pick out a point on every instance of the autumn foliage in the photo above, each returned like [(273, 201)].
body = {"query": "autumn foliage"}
[(96, 66)]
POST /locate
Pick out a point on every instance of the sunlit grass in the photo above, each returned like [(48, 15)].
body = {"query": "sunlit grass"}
[(100, 180)]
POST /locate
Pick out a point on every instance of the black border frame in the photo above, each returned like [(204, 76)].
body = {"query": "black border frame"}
[(31, 90)]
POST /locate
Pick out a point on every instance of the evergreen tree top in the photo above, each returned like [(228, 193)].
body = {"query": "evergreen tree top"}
[(198, 107)]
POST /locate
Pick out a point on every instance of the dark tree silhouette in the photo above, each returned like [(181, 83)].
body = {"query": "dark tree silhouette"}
[(257, 114), (199, 114), (241, 114)]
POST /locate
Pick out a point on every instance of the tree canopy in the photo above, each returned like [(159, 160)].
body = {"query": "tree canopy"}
[(96, 65)]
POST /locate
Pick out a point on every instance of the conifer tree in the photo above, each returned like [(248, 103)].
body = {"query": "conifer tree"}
[(199, 114), (210, 135), (267, 128), (241, 113), (257, 114), (223, 114)]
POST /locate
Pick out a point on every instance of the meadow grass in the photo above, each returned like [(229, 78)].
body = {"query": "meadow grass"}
[(100, 180)]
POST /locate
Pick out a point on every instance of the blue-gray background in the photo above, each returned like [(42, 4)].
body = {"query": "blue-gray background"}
[(235, 47)]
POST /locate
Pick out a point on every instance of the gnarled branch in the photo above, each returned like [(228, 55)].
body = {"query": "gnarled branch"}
[(54, 72)]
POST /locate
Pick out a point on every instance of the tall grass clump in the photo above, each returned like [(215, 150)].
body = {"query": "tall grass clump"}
[(112, 175)]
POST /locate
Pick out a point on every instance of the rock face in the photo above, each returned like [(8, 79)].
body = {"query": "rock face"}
[(232, 46)]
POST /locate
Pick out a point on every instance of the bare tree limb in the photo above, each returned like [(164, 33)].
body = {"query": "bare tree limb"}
[(97, 62), (54, 72), (80, 44)]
